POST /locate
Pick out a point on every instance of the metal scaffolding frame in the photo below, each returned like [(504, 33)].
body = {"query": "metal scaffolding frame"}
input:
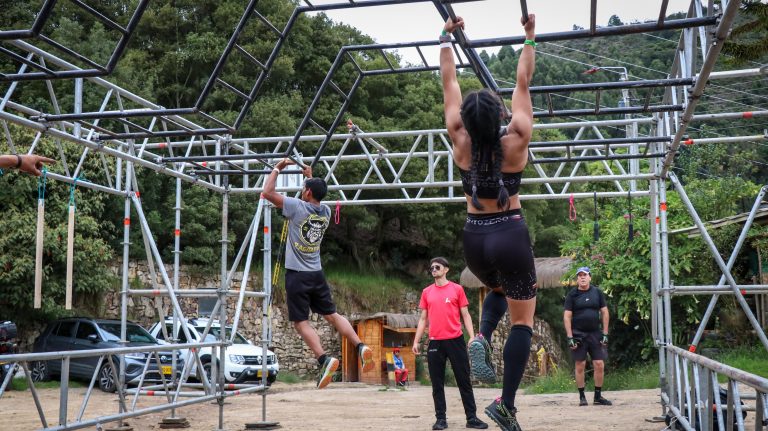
[(129, 132)]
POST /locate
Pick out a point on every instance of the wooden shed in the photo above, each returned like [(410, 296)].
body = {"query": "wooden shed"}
[(382, 332)]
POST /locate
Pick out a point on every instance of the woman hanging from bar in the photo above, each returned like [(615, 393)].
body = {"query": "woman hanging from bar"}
[(497, 246)]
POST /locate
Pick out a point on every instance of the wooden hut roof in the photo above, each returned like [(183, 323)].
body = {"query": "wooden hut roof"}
[(550, 272), (393, 320)]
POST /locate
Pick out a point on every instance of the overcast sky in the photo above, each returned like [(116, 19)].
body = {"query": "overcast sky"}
[(489, 18)]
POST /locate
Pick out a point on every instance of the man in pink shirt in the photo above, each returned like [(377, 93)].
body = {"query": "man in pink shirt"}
[(442, 303)]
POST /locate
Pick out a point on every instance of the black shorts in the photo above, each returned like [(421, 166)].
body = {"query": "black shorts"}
[(307, 290), (589, 342), (498, 250)]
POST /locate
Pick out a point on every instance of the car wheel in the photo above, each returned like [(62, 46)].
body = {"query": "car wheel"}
[(39, 372), (207, 368), (107, 379), (271, 379)]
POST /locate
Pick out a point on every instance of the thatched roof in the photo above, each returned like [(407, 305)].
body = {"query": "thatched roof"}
[(549, 273), (393, 320)]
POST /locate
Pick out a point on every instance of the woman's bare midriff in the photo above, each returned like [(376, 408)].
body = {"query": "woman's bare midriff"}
[(490, 206)]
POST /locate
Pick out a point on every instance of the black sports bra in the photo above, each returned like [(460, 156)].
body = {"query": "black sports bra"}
[(487, 187)]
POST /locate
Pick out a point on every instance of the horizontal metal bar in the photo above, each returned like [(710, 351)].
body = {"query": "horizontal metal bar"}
[(601, 142), (729, 115), (195, 293), (163, 134), (754, 381), (368, 3), (47, 356), (463, 199), (720, 290), (114, 114), (597, 158), (620, 30), (608, 111), (16, 34), (616, 85)]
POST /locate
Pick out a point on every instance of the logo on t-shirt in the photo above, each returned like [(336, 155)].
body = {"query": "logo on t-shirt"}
[(312, 229), (447, 300)]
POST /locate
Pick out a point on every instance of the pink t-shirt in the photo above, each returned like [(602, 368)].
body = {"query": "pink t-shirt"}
[(443, 305)]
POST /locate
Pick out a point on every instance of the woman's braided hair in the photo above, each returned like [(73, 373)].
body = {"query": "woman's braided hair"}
[(481, 115)]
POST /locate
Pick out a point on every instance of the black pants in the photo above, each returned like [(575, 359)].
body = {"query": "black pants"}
[(455, 350)]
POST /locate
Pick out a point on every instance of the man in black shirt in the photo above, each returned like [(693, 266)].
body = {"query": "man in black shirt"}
[(585, 310)]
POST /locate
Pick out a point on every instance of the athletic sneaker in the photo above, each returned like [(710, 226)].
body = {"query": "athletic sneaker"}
[(440, 424), (505, 418), (326, 372), (476, 423), (366, 357), (600, 401), (583, 401), (480, 360)]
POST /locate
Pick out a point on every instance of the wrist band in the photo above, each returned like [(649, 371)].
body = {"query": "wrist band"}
[(529, 42), (446, 45), (18, 161), (444, 38), (444, 33)]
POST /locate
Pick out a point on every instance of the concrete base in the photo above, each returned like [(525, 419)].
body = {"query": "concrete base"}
[(124, 427), (263, 426), (174, 423)]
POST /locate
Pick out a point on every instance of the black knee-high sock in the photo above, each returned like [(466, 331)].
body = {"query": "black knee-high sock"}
[(494, 308), (516, 352)]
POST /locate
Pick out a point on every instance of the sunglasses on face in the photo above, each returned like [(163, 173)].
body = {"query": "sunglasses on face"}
[(435, 268)]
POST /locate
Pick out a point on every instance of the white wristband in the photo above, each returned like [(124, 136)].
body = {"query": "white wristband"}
[(446, 45)]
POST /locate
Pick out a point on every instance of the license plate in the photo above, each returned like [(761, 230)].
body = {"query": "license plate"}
[(258, 374), (166, 369)]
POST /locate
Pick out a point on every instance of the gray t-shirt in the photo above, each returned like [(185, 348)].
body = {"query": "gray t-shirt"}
[(306, 226)]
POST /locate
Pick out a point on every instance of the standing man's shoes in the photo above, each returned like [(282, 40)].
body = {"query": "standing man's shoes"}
[(440, 424), (600, 401), (583, 402), (476, 423)]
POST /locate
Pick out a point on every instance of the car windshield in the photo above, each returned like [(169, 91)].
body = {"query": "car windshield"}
[(213, 335), (134, 333)]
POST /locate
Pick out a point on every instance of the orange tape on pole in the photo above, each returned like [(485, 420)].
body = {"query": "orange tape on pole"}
[(663, 206)]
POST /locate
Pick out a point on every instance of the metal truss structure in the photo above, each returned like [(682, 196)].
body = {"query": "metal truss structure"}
[(131, 135)]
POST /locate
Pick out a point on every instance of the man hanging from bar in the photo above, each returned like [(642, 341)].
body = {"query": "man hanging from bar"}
[(305, 285)]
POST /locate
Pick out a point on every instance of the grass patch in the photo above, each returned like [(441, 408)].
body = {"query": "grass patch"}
[(641, 377), (368, 291), (288, 378), (646, 376), (20, 384), (749, 359)]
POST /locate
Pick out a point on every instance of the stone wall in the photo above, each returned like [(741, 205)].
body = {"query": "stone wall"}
[(292, 353)]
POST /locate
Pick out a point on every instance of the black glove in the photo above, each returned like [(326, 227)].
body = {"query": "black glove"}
[(572, 344), (604, 340)]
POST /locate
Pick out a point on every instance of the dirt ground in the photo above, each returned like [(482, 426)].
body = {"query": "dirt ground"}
[(352, 407)]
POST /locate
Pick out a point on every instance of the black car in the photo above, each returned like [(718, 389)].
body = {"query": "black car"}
[(84, 333)]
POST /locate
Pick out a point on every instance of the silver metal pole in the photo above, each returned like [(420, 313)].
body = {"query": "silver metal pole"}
[(223, 302), (718, 259), (125, 281), (266, 304)]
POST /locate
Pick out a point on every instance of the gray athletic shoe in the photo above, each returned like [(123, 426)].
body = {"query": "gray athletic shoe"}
[(326, 372), (480, 360)]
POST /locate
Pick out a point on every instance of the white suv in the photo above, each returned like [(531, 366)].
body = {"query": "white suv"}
[(243, 359)]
